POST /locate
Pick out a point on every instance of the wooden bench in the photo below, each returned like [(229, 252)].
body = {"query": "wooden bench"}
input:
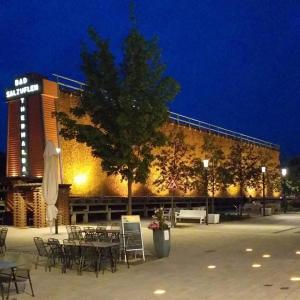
[(191, 214)]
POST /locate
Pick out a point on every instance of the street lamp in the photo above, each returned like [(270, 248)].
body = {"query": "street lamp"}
[(284, 202), (263, 170), (205, 165)]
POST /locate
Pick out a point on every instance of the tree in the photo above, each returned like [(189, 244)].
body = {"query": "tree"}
[(218, 177), (126, 106), (291, 183), (2, 164), (272, 175), (243, 168), (173, 164)]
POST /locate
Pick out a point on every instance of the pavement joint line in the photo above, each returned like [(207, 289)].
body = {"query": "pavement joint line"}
[(284, 230)]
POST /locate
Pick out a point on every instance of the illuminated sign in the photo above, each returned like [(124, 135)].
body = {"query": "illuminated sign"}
[(23, 87), (23, 135)]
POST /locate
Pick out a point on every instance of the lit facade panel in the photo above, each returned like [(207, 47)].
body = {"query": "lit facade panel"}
[(13, 140), (36, 140)]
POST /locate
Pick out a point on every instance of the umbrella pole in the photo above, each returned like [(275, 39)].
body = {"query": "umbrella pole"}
[(56, 226)]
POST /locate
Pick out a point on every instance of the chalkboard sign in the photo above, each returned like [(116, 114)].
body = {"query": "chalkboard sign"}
[(131, 229)]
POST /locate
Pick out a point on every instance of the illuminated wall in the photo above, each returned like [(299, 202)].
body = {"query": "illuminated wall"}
[(31, 104), (84, 172)]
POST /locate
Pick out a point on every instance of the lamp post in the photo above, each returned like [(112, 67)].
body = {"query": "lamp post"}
[(205, 165), (263, 170), (58, 150), (284, 202)]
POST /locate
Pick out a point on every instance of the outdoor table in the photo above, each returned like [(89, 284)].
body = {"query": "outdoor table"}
[(100, 246)]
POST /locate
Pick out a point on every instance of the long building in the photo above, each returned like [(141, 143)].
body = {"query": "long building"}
[(32, 101)]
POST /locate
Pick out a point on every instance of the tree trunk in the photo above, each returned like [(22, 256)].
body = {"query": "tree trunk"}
[(129, 195)]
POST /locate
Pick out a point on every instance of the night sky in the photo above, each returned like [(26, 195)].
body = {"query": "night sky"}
[(238, 62)]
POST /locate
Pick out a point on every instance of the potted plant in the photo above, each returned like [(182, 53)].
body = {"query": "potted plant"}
[(161, 233)]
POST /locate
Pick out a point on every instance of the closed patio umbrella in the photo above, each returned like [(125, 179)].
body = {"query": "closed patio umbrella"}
[(50, 182)]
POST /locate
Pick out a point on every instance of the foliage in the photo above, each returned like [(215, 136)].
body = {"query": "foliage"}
[(126, 106), (159, 220), (218, 174), (2, 163), (291, 183), (272, 175), (174, 163), (243, 166), (218, 177)]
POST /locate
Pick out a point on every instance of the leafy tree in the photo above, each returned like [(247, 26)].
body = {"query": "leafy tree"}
[(173, 165), (2, 163), (126, 106), (272, 175), (218, 176), (243, 167), (291, 183)]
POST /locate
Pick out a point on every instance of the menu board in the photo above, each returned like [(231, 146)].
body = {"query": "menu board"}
[(131, 229)]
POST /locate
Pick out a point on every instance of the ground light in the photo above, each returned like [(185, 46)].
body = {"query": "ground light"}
[(295, 278), (256, 266), (298, 252), (266, 255), (211, 267), (159, 292), (249, 250)]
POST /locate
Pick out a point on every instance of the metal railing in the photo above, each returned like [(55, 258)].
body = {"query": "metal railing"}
[(181, 119)]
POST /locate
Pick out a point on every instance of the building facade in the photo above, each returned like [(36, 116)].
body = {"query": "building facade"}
[(32, 102)]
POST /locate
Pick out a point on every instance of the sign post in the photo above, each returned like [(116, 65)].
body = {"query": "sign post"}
[(132, 233), (172, 186)]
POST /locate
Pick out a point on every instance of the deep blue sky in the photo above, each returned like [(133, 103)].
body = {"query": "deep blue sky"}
[(238, 62)]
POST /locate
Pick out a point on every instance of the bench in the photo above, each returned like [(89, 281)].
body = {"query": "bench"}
[(191, 214)]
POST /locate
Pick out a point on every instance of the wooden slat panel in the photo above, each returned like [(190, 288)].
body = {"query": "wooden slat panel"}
[(13, 140), (50, 125), (36, 141)]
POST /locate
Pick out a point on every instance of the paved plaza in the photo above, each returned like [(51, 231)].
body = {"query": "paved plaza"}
[(185, 274)]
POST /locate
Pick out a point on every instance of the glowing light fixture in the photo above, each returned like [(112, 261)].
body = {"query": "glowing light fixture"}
[(249, 250), (80, 179), (58, 150), (205, 163), (295, 278), (211, 267), (159, 292), (256, 266), (284, 172), (266, 255), (263, 169), (298, 252)]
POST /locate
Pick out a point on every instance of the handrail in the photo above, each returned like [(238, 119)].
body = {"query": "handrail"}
[(181, 119)]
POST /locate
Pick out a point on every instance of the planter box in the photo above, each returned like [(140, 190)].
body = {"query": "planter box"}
[(213, 218)]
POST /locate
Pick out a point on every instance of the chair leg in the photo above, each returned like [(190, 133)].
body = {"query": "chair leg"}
[(30, 282)]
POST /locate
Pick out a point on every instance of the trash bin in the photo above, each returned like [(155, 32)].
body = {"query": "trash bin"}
[(268, 211), (213, 218)]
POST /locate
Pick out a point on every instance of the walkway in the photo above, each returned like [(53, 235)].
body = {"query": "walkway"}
[(185, 274)]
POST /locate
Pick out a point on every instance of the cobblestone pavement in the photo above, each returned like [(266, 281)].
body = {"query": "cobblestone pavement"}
[(185, 273)]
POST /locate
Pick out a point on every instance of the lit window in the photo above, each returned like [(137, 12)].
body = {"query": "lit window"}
[(23, 134), (22, 126), (22, 117)]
